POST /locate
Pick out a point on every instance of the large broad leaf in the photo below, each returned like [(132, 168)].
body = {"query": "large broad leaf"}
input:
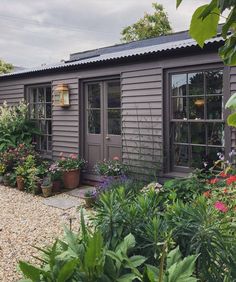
[(67, 271), (228, 51), (136, 261), (178, 2), (182, 271), (231, 120), (173, 257), (30, 271), (203, 29), (230, 22), (127, 277), (231, 103)]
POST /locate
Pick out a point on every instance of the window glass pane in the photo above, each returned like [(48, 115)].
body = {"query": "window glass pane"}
[(94, 97), (114, 122), (198, 156), (196, 83), (198, 133), (48, 110), (215, 107), (214, 82), (215, 132), (196, 108), (94, 121), (179, 82), (181, 132), (48, 95), (41, 96), (49, 127), (41, 111), (181, 155), (179, 108), (212, 155), (113, 94), (34, 95), (49, 143)]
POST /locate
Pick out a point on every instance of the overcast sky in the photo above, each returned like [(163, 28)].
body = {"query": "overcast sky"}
[(47, 31)]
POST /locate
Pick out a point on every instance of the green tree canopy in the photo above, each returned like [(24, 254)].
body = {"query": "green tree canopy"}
[(151, 25), (5, 67), (204, 25)]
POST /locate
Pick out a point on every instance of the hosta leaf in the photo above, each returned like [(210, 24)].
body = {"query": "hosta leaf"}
[(231, 103), (127, 277), (203, 29), (231, 120), (30, 271), (67, 271), (173, 257), (178, 2)]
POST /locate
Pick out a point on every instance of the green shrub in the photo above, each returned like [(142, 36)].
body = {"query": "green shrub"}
[(198, 229), (15, 126)]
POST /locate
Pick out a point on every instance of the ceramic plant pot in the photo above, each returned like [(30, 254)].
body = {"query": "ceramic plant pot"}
[(20, 183), (89, 201), (47, 191), (71, 178)]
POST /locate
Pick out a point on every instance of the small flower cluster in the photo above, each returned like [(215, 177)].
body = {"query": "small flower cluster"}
[(110, 167), (70, 163), (55, 171)]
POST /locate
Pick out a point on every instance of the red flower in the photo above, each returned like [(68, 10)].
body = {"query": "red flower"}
[(223, 174), (225, 190), (220, 206), (214, 181), (231, 179), (207, 194)]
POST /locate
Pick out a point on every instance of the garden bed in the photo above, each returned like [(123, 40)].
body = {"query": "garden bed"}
[(26, 222)]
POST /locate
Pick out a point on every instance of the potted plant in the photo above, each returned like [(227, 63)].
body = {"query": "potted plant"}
[(20, 177), (71, 167), (2, 170), (89, 197), (114, 168), (56, 177), (7, 179), (46, 187)]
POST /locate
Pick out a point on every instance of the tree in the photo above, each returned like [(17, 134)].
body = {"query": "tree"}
[(5, 67), (204, 25), (151, 25)]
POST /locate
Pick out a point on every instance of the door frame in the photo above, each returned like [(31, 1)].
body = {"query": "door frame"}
[(82, 113)]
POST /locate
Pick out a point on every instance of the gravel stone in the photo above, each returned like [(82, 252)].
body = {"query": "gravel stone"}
[(26, 222)]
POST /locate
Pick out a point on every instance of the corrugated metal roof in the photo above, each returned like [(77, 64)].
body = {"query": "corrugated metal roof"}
[(117, 55)]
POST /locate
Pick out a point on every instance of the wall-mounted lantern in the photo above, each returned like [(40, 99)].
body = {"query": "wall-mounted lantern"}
[(61, 95)]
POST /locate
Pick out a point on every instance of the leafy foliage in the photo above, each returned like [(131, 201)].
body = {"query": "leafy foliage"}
[(198, 229), (5, 67), (204, 25), (151, 25), (15, 126)]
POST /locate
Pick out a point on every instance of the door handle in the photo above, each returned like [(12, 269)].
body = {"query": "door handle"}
[(107, 138)]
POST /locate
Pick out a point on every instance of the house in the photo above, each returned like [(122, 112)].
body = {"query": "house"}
[(155, 103)]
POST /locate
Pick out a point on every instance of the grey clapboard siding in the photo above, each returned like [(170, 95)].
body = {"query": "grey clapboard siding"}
[(233, 90), (65, 122), (142, 119), (12, 93)]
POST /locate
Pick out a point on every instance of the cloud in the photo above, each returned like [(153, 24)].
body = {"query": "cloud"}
[(37, 32)]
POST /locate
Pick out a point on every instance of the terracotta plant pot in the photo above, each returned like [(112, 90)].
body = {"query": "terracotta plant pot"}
[(47, 191), (71, 179), (56, 186), (20, 183)]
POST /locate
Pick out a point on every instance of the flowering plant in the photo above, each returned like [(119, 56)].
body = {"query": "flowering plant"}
[(2, 169), (110, 168), (70, 163), (55, 171)]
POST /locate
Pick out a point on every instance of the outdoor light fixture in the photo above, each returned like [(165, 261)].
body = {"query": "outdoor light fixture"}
[(61, 96), (199, 102)]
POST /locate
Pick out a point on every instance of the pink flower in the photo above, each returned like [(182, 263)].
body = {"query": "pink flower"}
[(116, 158), (61, 154), (73, 156), (63, 158), (220, 206)]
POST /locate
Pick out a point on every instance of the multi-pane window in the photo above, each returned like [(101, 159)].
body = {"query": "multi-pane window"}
[(197, 124), (39, 99)]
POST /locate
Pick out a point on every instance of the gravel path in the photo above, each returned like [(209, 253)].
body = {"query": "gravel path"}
[(24, 222)]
